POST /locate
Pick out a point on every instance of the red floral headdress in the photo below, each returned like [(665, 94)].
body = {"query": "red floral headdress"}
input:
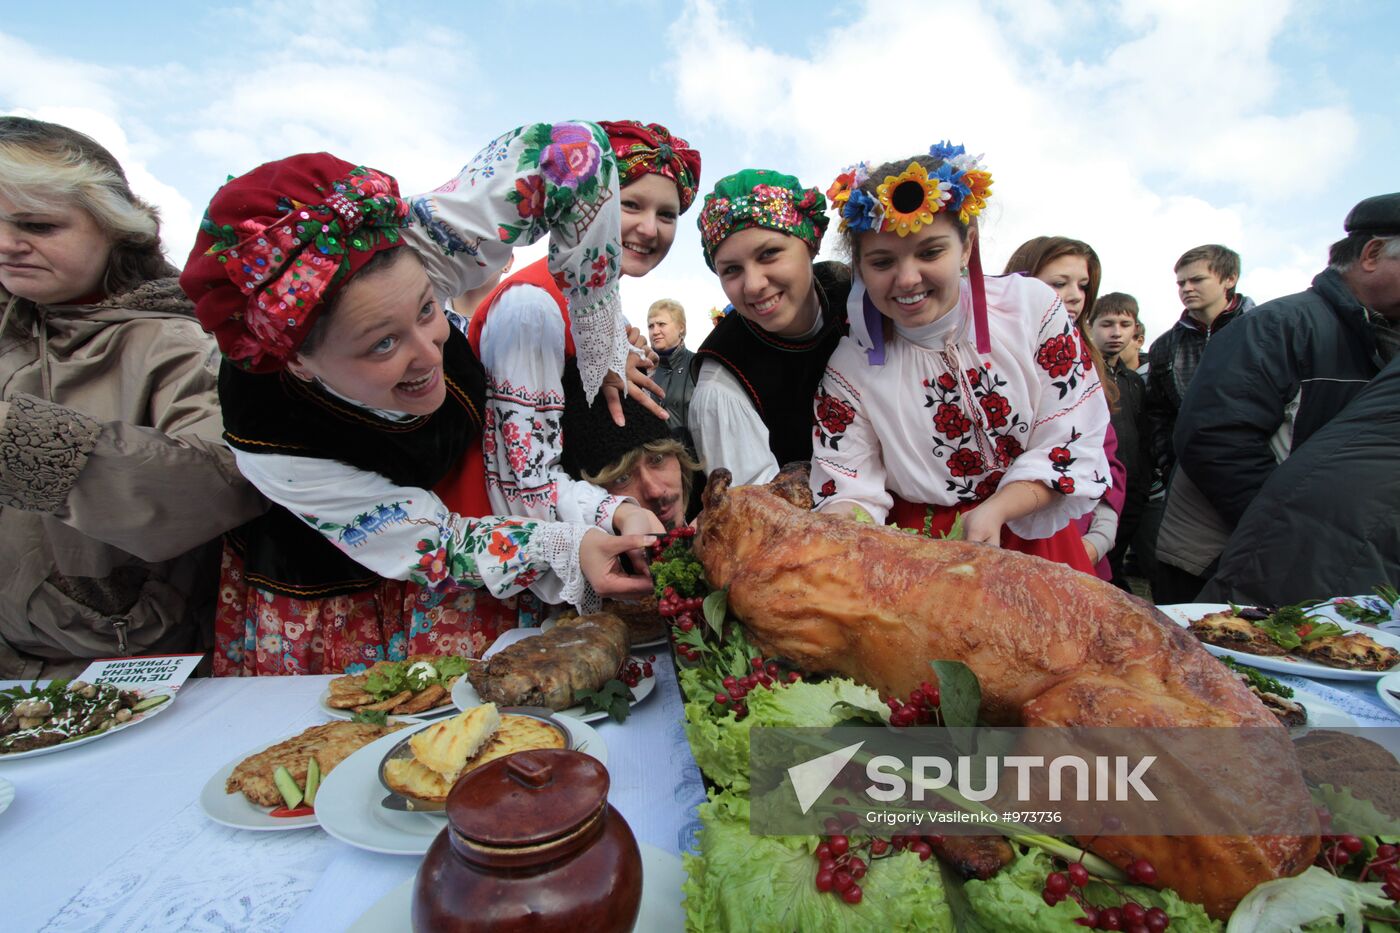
[(650, 148), (277, 243)]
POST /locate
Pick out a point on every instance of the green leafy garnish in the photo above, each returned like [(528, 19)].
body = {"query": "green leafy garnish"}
[(387, 680), (613, 698), (716, 606), (678, 568), (959, 693), (1258, 679), (1354, 611), (450, 667), (956, 532), (1290, 626), (374, 717)]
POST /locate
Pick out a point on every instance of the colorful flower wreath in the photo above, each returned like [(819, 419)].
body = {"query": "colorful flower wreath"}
[(906, 202)]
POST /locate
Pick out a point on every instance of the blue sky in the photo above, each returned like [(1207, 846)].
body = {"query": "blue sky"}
[(1143, 126)]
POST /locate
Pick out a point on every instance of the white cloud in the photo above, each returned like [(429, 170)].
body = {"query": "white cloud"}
[(1164, 142)]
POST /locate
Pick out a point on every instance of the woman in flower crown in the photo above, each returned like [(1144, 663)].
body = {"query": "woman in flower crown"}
[(761, 364), (348, 398), (520, 333), (1072, 269), (954, 394)]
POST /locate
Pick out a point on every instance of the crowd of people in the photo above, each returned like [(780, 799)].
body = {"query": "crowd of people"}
[(346, 431)]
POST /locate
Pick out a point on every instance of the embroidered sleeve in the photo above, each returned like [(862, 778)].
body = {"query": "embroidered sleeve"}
[(727, 430), (847, 463), (559, 179), (406, 533), (1065, 448), (522, 348)]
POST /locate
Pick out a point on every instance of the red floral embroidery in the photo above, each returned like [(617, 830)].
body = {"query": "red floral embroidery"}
[(1086, 351), (834, 414), (531, 191), (433, 564), (998, 409), (966, 462), (1060, 455), (989, 485), (947, 382), (828, 488), (1058, 355), (502, 547), (1065, 484), (950, 421), (1008, 448), (519, 450), (974, 376)]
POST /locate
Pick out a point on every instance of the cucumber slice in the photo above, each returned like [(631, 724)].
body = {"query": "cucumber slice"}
[(313, 781), (150, 702), (287, 786)]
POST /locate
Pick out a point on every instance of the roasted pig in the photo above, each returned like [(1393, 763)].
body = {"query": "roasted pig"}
[(1051, 647), (549, 669)]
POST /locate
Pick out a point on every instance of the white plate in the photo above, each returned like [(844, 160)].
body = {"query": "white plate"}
[(1383, 687), (348, 714), (464, 695), (7, 795), (347, 804), (662, 878), (1184, 613), (74, 743), (235, 810), (1321, 714)]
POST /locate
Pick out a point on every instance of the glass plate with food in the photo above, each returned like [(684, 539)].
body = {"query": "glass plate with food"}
[(1290, 640), (65, 714)]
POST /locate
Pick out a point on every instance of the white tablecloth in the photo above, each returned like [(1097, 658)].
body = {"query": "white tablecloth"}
[(109, 836)]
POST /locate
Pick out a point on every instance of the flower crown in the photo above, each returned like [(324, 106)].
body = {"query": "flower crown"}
[(906, 202)]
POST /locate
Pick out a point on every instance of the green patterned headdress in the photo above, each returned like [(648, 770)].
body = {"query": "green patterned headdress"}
[(759, 197)]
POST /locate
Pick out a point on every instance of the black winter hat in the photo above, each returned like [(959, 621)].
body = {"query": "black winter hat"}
[(592, 441), (1377, 216)]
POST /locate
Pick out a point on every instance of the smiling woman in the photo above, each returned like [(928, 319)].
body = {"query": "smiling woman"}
[(953, 395), (107, 395), (751, 411), (353, 403)]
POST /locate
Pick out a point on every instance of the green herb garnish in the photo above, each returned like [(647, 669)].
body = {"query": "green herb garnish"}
[(1258, 680), (375, 717), (613, 698)]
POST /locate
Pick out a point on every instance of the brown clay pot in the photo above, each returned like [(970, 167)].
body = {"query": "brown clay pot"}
[(531, 844)]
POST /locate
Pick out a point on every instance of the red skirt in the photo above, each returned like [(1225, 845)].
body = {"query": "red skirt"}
[(1065, 546), (257, 632)]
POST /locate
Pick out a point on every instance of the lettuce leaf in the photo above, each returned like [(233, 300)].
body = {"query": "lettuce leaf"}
[(765, 884), (721, 743), (451, 666), (387, 681), (1011, 902), (1313, 900)]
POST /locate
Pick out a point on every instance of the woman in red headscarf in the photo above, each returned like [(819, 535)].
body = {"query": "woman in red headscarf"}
[(521, 333), (348, 396)]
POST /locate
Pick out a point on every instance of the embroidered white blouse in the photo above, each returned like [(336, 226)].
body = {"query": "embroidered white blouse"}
[(939, 424), (557, 179)]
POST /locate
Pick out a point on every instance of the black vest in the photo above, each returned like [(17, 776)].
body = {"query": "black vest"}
[(279, 414), (781, 375)]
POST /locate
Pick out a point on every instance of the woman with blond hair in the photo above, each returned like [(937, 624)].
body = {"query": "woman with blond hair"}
[(115, 484)]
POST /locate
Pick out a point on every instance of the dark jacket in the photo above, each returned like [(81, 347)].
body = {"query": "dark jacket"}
[(1327, 520), (1172, 363), (1264, 388), (673, 374), (1134, 441), (1270, 383)]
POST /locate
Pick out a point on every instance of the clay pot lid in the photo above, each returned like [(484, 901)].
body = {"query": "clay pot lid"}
[(528, 798)]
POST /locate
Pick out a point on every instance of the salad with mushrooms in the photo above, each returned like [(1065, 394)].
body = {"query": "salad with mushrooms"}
[(63, 711)]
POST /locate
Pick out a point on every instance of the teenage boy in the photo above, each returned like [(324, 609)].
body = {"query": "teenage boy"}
[(1111, 326), (1205, 279), (1268, 385)]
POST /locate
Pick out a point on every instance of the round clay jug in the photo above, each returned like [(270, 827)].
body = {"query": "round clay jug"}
[(531, 844)]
